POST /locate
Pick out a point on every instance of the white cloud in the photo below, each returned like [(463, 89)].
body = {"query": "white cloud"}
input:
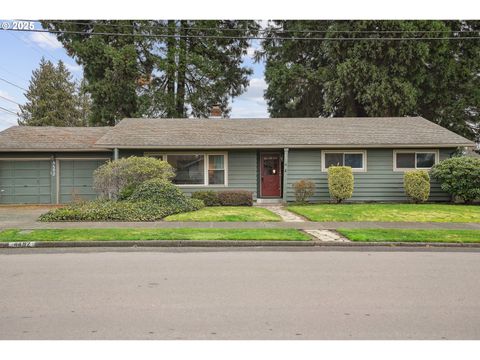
[(45, 40), (251, 104), (6, 95), (73, 67), (7, 121)]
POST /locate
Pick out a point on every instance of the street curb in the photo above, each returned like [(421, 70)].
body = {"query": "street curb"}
[(154, 243), (225, 243)]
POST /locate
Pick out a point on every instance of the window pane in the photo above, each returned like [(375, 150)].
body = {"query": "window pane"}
[(216, 177), (333, 159), (425, 160), (406, 160), (355, 161), (215, 162), (189, 169)]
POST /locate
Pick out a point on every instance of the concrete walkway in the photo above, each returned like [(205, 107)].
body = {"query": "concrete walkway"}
[(281, 211)]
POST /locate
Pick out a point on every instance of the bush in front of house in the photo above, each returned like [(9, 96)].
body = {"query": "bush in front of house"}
[(209, 197), (459, 176), (340, 182), (118, 179), (304, 189), (235, 198), (417, 185), (150, 201)]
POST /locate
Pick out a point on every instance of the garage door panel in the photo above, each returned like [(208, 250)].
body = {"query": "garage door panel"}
[(76, 178), (25, 182)]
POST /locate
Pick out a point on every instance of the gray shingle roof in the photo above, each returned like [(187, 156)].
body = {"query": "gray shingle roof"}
[(50, 138), (279, 132)]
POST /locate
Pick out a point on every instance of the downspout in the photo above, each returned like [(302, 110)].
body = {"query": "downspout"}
[(115, 154), (285, 179)]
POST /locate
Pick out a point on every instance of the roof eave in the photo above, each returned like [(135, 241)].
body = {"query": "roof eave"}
[(299, 146)]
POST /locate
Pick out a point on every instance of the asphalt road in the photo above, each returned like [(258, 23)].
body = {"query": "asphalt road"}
[(188, 294)]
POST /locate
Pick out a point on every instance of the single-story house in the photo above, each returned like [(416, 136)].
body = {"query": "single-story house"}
[(265, 156)]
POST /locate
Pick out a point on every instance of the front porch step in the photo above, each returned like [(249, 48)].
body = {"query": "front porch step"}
[(269, 201)]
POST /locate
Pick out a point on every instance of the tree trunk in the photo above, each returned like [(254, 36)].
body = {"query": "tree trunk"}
[(182, 68), (171, 65)]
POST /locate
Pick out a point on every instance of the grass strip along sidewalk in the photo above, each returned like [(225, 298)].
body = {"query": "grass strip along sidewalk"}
[(12, 235), (401, 235), (389, 212), (226, 213)]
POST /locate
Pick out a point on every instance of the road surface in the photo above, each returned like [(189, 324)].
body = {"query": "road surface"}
[(247, 294)]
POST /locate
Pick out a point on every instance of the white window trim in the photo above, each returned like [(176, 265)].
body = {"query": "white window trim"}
[(205, 166), (426, 151), (363, 152)]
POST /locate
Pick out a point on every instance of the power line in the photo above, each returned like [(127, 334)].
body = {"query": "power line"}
[(277, 30), (7, 99), (17, 86), (12, 73), (33, 48), (8, 111), (247, 37)]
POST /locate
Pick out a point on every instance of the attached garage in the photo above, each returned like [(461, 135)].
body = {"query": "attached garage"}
[(76, 179), (49, 165), (25, 182)]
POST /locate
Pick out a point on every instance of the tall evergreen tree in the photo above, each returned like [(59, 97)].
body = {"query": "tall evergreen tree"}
[(51, 98), (437, 79), (158, 68)]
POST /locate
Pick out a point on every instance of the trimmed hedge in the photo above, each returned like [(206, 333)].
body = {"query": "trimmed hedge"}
[(235, 198), (340, 182), (209, 197), (417, 185), (304, 189)]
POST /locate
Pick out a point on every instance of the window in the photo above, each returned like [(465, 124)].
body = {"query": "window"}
[(196, 169), (216, 170), (189, 169), (414, 159), (354, 159)]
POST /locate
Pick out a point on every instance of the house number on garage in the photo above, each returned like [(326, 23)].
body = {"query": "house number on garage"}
[(53, 168)]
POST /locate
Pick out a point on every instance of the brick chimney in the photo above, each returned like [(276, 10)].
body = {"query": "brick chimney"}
[(216, 112)]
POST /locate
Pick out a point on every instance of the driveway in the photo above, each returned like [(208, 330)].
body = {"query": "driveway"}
[(15, 216), (186, 294)]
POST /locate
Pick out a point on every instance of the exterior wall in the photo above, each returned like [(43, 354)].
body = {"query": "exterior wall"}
[(53, 168), (242, 170), (378, 183)]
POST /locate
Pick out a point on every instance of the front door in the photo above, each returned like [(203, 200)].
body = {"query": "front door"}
[(270, 171)]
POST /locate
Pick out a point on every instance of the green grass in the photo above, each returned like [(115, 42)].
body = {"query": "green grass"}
[(226, 213), (151, 234), (396, 235), (389, 212)]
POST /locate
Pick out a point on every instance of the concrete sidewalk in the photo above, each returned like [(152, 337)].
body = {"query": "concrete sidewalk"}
[(308, 225)]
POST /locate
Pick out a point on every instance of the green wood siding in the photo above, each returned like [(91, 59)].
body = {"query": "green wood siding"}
[(242, 169), (76, 179), (25, 182), (378, 183)]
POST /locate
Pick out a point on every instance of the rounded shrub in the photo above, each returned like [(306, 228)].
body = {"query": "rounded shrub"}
[(304, 189), (459, 176), (118, 179), (417, 185), (340, 182), (235, 198), (161, 192)]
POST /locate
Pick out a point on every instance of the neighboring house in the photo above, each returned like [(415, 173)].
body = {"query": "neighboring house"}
[(265, 156)]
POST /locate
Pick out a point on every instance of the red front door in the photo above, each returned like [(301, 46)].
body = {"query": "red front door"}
[(270, 171)]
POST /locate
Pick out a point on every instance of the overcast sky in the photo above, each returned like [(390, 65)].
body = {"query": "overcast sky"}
[(21, 54)]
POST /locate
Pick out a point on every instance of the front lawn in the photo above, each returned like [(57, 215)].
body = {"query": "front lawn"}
[(388, 212), (151, 234), (226, 213), (397, 235)]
